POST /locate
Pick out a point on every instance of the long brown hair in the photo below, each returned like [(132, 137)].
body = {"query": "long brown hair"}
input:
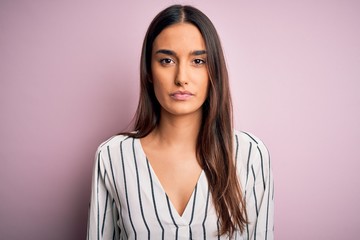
[(215, 140)]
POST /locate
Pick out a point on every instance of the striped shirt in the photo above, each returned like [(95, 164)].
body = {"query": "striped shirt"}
[(129, 202)]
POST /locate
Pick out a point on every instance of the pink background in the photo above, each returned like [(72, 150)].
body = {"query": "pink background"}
[(69, 80)]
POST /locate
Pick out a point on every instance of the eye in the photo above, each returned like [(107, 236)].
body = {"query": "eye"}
[(199, 61), (166, 61)]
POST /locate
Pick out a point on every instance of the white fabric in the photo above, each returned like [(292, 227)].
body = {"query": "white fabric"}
[(128, 201)]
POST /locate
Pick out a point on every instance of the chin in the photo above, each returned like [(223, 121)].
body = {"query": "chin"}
[(183, 111)]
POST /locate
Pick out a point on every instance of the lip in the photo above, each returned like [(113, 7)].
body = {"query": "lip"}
[(181, 95)]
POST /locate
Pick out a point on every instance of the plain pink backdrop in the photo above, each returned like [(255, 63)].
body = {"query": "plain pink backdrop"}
[(69, 80)]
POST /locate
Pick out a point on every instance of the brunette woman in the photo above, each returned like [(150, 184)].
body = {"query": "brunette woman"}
[(184, 172)]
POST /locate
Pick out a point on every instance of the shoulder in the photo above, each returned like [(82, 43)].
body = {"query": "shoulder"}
[(247, 138), (257, 182), (112, 143), (109, 150), (250, 150)]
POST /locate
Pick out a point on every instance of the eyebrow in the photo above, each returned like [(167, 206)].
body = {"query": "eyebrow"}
[(198, 52), (172, 53)]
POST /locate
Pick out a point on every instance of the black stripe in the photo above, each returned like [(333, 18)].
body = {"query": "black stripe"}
[(262, 166), (247, 177), (248, 164), (119, 216), (206, 211), (122, 219), (256, 208), (268, 201), (236, 151), (138, 185), (126, 191), (218, 228), (267, 212), (97, 198), (113, 206), (104, 217), (154, 202), (172, 217), (113, 177), (192, 212), (250, 137)]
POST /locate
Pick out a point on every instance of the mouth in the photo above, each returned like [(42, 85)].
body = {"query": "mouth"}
[(181, 95)]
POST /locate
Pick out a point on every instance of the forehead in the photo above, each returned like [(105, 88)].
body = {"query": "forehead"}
[(180, 36)]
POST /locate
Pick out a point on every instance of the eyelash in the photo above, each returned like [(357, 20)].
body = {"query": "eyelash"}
[(199, 61), (166, 61)]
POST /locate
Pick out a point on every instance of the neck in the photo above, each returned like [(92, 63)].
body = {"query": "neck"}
[(179, 131)]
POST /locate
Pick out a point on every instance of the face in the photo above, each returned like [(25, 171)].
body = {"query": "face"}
[(179, 70)]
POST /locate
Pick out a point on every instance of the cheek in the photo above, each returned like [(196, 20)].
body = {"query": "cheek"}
[(161, 77), (204, 84), (156, 80), (159, 82), (157, 88), (160, 88)]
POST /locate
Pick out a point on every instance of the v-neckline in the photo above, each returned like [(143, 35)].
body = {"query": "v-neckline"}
[(186, 215)]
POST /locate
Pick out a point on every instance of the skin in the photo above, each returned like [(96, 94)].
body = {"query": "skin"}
[(180, 79)]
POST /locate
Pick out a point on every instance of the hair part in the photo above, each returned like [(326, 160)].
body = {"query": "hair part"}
[(215, 140)]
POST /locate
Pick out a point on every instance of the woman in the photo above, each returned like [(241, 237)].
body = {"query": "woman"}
[(183, 173)]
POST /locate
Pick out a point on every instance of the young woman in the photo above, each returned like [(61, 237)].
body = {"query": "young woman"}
[(183, 173)]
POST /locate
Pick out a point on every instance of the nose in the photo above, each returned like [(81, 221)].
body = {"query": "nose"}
[(181, 77)]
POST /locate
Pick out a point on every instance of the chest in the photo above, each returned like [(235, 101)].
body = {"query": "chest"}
[(145, 208), (177, 174)]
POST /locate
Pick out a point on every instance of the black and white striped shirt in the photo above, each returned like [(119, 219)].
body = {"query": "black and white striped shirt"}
[(128, 201)]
